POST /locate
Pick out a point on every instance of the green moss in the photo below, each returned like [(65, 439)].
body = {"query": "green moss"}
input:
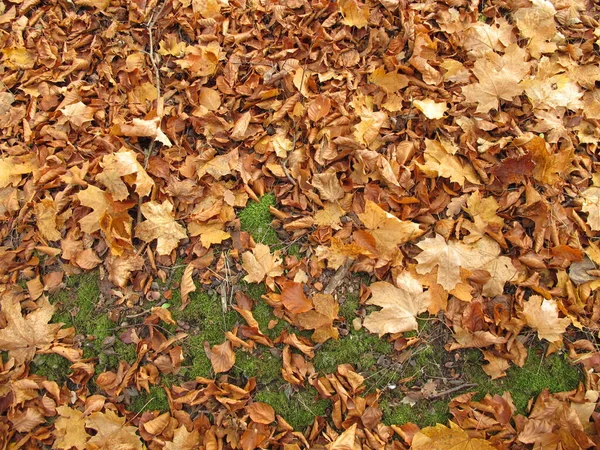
[(423, 413), (299, 409), (256, 219), (265, 366), (539, 372), (349, 307), (196, 363), (52, 366), (358, 347), (155, 400)]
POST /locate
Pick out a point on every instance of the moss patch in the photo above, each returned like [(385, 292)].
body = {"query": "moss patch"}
[(256, 219), (155, 400), (539, 372), (51, 366), (423, 413), (299, 408)]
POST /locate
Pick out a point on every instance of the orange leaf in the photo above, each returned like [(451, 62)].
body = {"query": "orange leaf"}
[(293, 298), (261, 413), (221, 356), (187, 285)]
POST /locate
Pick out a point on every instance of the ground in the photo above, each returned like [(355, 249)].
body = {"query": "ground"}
[(395, 374)]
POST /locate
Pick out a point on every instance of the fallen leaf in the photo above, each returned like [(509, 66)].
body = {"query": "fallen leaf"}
[(401, 305), (222, 357), (160, 225), (112, 432), (441, 437), (430, 108), (70, 429), (344, 441), (440, 161), (542, 315), (142, 128), (23, 335), (293, 298), (187, 285), (261, 413), (260, 263)]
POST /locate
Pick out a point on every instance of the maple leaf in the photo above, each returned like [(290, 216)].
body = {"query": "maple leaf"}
[(387, 230), (330, 216), (260, 264), (499, 78), (183, 439), (12, 167), (171, 45), (355, 14), (70, 429), (401, 305), (542, 315), (210, 233), (120, 267), (329, 186), (450, 257), (46, 213), (483, 211), (440, 160), (261, 413), (112, 432), (591, 205), (22, 336), (124, 164), (160, 225), (201, 60), (549, 167), (78, 113), (222, 357), (441, 437)]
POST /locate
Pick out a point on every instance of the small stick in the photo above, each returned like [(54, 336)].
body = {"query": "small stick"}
[(450, 391)]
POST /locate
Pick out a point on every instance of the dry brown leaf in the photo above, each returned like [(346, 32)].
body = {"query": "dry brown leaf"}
[(222, 357), (187, 285), (293, 298), (401, 305), (344, 441), (23, 335), (160, 225), (261, 413), (183, 439)]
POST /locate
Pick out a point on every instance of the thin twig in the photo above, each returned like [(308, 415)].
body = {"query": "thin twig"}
[(450, 391)]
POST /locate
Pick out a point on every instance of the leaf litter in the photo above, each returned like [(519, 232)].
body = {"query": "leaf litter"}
[(446, 149)]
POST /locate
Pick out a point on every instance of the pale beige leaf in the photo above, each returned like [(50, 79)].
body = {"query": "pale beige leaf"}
[(344, 441), (591, 205), (401, 305), (183, 439), (22, 336), (112, 432), (542, 315), (430, 108)]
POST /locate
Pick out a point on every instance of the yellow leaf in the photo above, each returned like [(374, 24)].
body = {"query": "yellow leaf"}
[(12, 167), (441, 437), (45, 217), (112, 432), (390, 82), (18, 58), (355, 14), (430, 108), (330, 216), (183, 439), (70, 429), (160, 225), (260, 264), (439, 162)]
